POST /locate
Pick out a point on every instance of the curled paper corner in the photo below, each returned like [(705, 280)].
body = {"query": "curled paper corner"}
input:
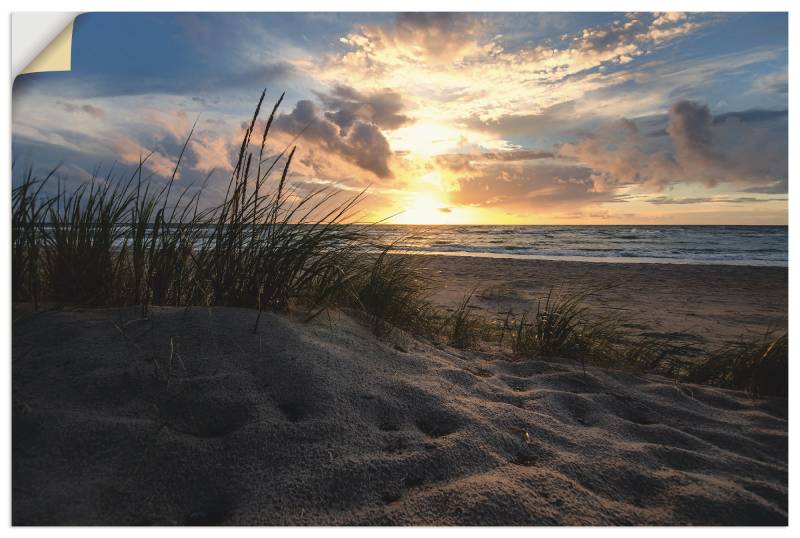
[(56, 56)]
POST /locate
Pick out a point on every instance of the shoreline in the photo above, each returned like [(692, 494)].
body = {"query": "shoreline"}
[(587, 259)]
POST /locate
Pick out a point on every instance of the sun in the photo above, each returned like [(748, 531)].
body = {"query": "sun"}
[(427, 208), (425, 139)]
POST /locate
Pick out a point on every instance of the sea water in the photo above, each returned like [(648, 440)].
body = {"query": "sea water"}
[(729, 245)]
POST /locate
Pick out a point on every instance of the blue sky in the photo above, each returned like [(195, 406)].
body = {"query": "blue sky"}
[(533, 117)]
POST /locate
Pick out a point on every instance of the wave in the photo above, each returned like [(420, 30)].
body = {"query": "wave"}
[(744, 245)]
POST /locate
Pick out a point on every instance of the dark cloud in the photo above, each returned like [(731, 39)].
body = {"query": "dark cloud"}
[(206, 102), (346, 105), (441, 35), (753, 115), (748, 148), (94, 111), (530, 185), (556, 119), (659, 132), (689, 128), (363, 145), (665, 200), (460, 162), (617, 154)]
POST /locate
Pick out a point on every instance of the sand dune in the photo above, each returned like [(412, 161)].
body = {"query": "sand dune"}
[(322, 423)]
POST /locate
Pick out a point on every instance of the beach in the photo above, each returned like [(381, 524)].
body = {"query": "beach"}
[(704, 305), (190, 416)]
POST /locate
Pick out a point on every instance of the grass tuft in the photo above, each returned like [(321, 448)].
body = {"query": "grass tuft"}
[(83, 228), (464, 327), (555, 329), (391, 292), (27, 238), (759, 366)]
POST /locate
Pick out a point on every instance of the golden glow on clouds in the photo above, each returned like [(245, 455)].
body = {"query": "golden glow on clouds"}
[(463, 74), (431, 110), (466, 76), (455, 69)]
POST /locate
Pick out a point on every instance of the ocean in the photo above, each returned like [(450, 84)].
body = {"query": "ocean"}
[(707, 245)]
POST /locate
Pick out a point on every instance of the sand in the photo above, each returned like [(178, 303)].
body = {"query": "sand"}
[(705, 306), (190, 417)]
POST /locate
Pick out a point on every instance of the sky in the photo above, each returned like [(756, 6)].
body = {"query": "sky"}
[(445, 118)]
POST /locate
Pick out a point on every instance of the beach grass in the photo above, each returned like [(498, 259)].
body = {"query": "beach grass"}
[(759, 366), (555, 329), (391, 291), (119, 242), (562, 326), (27, 238), (464, 327)]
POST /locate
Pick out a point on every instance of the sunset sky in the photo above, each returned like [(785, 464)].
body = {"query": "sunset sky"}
[(557, 118)]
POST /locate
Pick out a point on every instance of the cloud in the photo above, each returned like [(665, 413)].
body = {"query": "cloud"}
[(119, 162), (690, 129), (444, 36), (432, 38), (460, 162), (670, 25), (665, 200), (752, 115), (777, 187), (529, 186), (345, 106), (555, 119), (615, 154), (174, 123), (629, 33), (601, 215), (93, 111), (210, 153), (777, 83), (129, 151), (746, 148), (135, 129), (631, 36), (460, 71), (463, 55), (363, 144)]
